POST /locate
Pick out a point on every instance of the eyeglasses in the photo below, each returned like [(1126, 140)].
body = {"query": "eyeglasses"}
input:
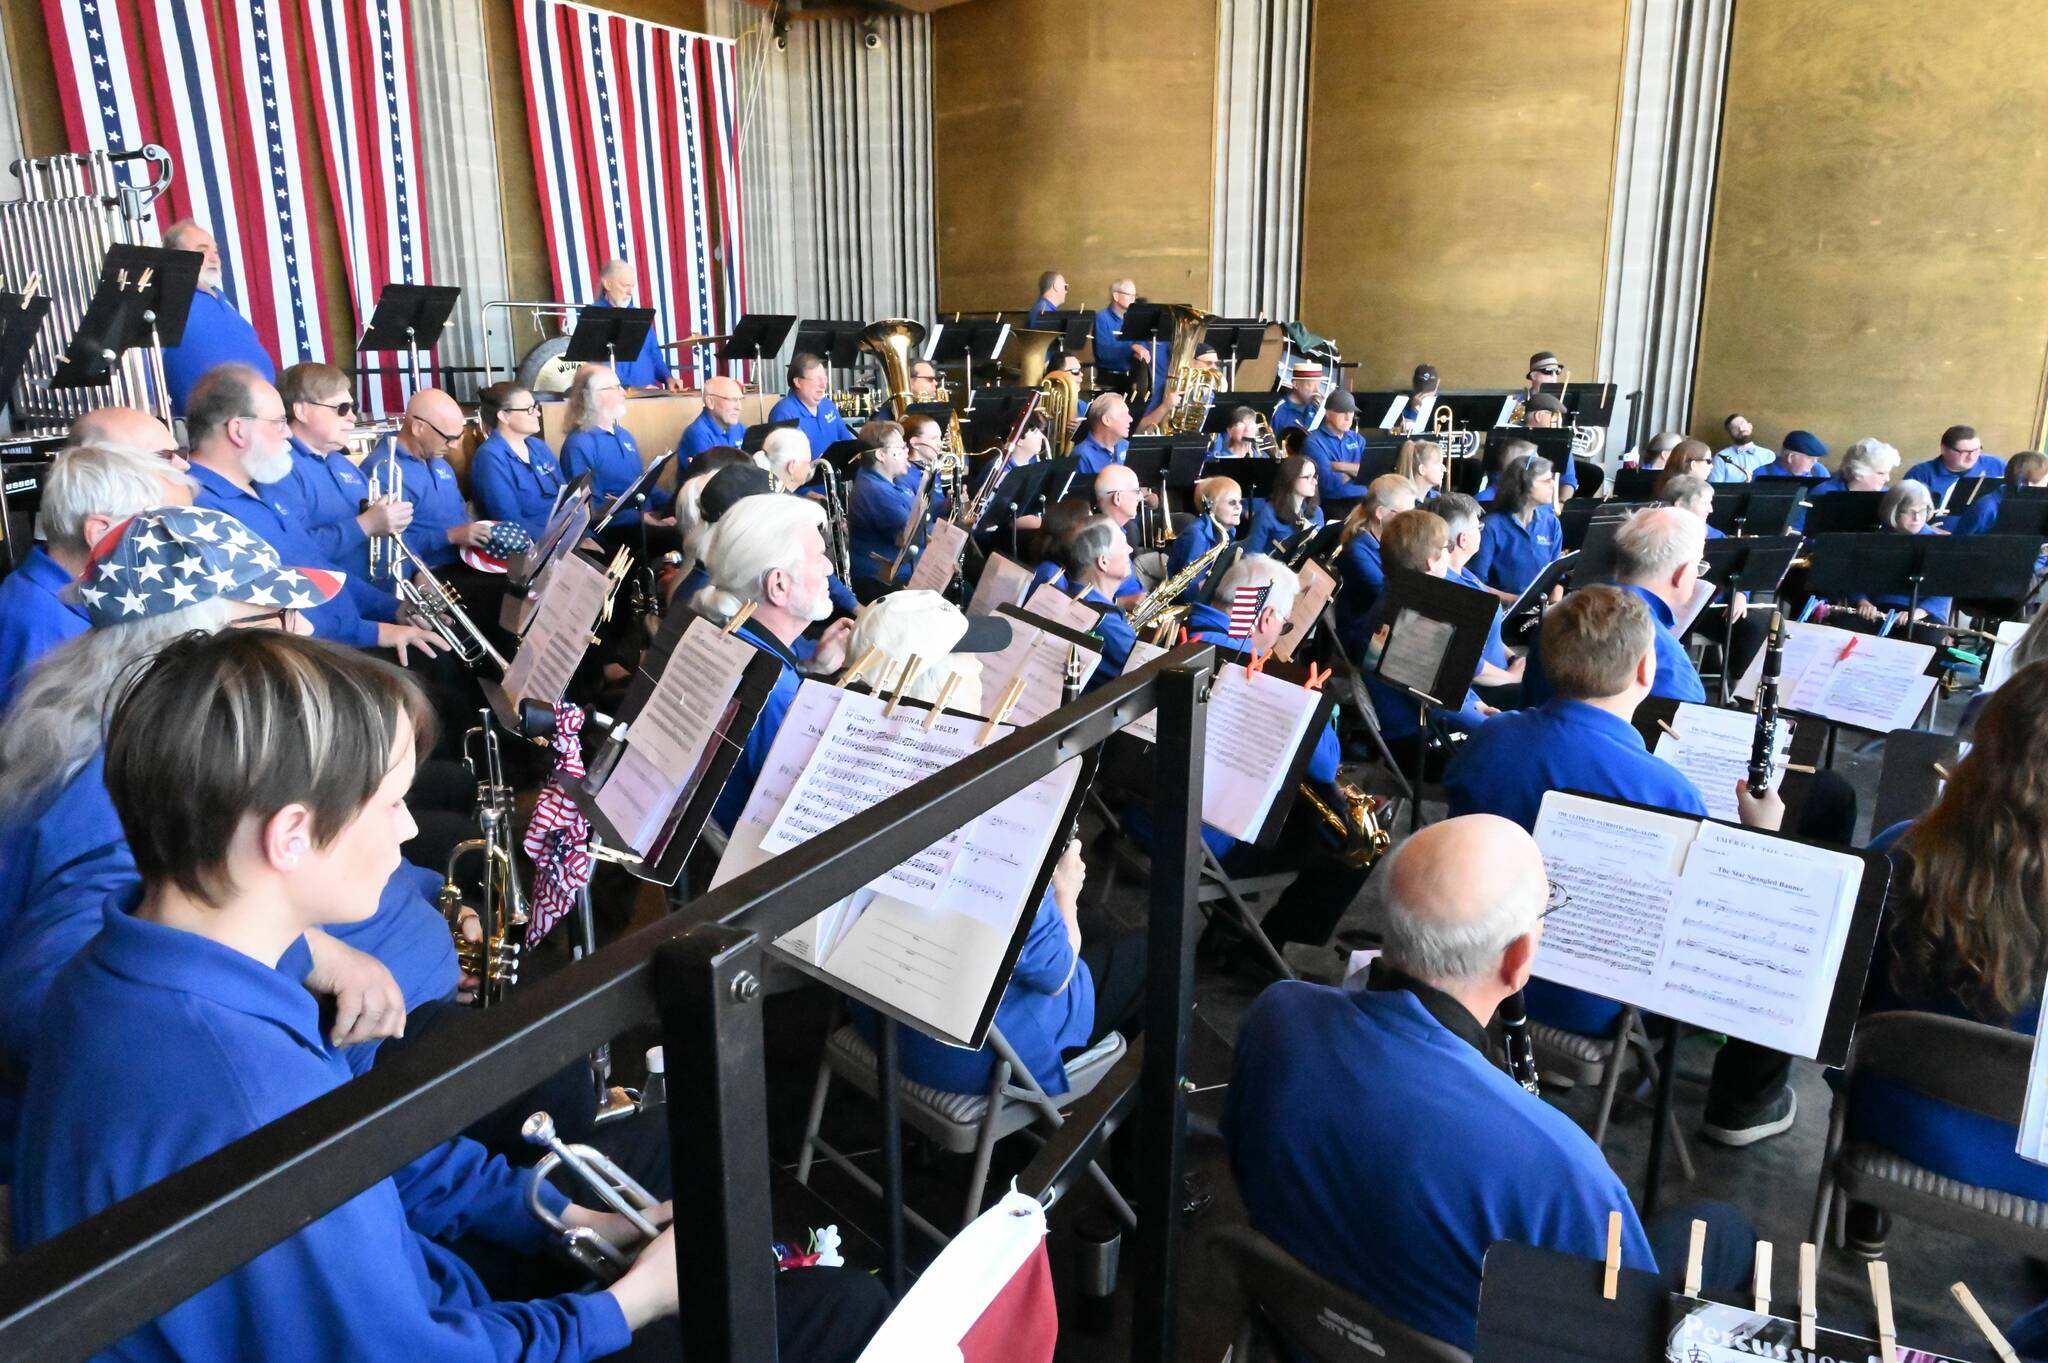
[(445, 436), (346, 407), (277, 619), (281, 421), (1559, 899), (1701, 567), (529, 407)]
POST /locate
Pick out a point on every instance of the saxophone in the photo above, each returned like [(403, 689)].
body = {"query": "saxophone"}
[(1158, 602)]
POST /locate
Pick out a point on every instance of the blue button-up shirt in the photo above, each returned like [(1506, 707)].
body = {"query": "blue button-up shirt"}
[(269, 517), (612, 459), (1739, 463), (516, 485), (1324, 449), (1512, 554), (1939, 478), (215, 334), (648, 369), (823, 427), (1096, 456), (34, 618), (706, 434), (1112, 352)]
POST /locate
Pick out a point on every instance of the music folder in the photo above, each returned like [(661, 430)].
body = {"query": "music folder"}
[(757, 435), (1436, 635), (1533, 596)]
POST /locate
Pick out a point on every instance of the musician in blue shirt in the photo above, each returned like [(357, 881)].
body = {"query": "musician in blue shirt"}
[(1657, 559), (719, 423), (1115, 357), (1294, 507), (1361, 576), (1109, 427), (1905, 510), (650, 368), (1962, 456), (1336, 449), (599, 444), (215, 334), (1799, 456), (415, 458), (878, 509), (326, 493), (1420, 541), (810, 405), (1521, 534), (2028, 468), (1304, 391), (513, 472), (1098, 561), (1052, 296), (1219, 510)]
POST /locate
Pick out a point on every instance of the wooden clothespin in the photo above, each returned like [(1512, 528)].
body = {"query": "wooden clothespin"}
[(1803, 768), (1612, 1282), (1940, 770), (866, 661), (1695, 1255), (1182, 637), (740, 617), (1011, 695), (939, 705), (910, 667), (1760, 1279), (1996, 1340), (1881, 1296), (1316, 677), (120, 279), (1666, 727), (147, 275), (1806, 1296), (28, 290)]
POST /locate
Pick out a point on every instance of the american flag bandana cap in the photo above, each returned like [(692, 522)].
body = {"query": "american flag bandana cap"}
[(506, 539), (165, 559), (558, 838)]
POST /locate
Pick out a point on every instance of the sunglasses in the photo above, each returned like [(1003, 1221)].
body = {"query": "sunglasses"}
[(346, 407)]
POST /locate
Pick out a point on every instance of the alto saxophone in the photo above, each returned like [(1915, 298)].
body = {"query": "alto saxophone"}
[(1161, 598)]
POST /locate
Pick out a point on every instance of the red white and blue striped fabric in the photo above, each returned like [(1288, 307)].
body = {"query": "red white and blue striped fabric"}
[(634, 131), (211, 83), (361, 53)]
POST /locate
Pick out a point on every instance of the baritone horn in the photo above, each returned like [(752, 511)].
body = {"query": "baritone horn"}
[(1190, 388), (890, 341)]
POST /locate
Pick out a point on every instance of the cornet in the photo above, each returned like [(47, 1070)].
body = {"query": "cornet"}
[(614, 1187)]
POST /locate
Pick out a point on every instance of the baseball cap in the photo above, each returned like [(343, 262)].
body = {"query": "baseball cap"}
[(165, 559)]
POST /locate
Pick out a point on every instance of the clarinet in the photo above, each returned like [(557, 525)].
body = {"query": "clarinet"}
[(1514, 1021), (1763, 746)]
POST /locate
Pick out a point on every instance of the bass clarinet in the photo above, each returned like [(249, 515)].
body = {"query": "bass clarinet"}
[(1763, 747)]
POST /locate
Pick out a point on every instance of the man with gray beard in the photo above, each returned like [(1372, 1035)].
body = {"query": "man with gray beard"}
[(215, 334)]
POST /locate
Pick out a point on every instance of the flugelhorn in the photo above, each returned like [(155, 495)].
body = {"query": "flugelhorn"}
[(492, 961)]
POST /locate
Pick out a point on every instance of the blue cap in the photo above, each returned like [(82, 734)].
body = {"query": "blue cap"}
[(1806, 443), (170, 557)]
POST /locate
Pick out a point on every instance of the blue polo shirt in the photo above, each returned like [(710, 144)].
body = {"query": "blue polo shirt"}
[(1287, 412), (1677, 678), (435, 494), (648, 369), (325, 494), (516, 485), (1776, 469), (877, 510), (1361, 577), (1096, 456), (1198, 539), (1266, 534), (215, 334), (1937, 607), (34, 618), (1384, 1151), (612, 459), (705, 433), (1112, 352), (1496, 650), (1114, 629), (1939, 478), (269, 517), (823, 427), (1323, 448), (1034, 320), (205, 1045), (1512, 554)]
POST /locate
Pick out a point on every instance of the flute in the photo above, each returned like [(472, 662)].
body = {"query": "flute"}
[(1763, 746)]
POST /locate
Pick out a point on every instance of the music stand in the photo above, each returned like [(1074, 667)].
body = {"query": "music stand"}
[(21, 319), (634, 496), (566, 527), (1750, 564), (1262, 401), (1576, 516), (1453, 620), (1843, 513), (1236, 340), (1585, 404), (411, 317), (1751, 509), (143, 296), (2017, 515), (1636, 485), (1254, 475), (1177, 459), (994, 415), (1145, 324), (751, 442), (1476, 411), (756, 336), (1962, 492)]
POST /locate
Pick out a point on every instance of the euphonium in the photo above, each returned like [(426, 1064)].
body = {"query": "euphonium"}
[(1189, 387), (891, 340), (1161, 598)]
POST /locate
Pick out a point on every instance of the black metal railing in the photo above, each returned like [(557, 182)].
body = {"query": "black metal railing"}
[(698, 972)]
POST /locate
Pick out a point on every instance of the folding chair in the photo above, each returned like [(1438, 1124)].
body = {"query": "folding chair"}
[(1291, 1311)]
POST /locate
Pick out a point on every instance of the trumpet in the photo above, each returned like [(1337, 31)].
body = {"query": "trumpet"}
[(387, 484), (494, 960), (1365, 839), (437, 607), (614, 1187)]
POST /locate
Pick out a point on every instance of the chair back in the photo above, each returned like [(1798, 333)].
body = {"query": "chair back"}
[(1969, 1065), (1311, 1317), (1907, 785)]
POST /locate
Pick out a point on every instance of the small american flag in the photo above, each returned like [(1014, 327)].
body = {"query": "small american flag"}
[(1245, 605)]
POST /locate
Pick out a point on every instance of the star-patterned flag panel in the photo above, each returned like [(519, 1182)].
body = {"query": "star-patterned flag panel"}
[(172, 557), (635, 147)]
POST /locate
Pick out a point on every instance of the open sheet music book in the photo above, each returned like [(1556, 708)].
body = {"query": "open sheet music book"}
[(1861, 680), (942, 549), (1712, 749), (1729, 929), (1002, 583), (555, 642), (933, 940), (1316, 589)]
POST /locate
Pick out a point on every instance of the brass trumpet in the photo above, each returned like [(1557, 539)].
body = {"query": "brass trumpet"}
[(387, 484), (437, 607), (493, 961)]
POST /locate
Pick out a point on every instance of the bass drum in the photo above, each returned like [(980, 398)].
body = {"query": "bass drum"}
[(544, 369)]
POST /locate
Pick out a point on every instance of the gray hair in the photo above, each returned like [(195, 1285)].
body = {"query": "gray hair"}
[(1458, 512), (1868, 455), (785, 446), (1903, 497), (1418, 944), (109, 480), (59, 718), (1651, 543), (1259, 570), (223, 394), (582, 413), (755, 537)]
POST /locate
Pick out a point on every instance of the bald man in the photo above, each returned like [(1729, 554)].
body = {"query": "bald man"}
[(130, 427), (1375, 1133), (650, 368), (1117, 496), (215, 334), (718, 424), (415, 458)]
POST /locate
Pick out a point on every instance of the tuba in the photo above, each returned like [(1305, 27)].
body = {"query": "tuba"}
[(1059, 398), (1034, 351), (890, 341), (1189, 387)]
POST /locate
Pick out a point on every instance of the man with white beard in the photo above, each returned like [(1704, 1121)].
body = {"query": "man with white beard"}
[(215, 334), (239, 432)]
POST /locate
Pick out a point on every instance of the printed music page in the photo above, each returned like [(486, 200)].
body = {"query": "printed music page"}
[(560, 632), (1146, 726), (942, 549), (1002, 582), (1040, 658), (1317, 587), (1619, 868), (1056, 606), (1712, 749), (1256, 725), (1702, 592), (1415, 652), (1860, 680), (670, 740)]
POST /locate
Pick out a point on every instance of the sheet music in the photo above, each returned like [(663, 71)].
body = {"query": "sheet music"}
[(1702, 592), (671, 740), (1002, 582), (1726, 928), (1316, 589), (1393, 412), (942, 549), (1146, 726), (1056, 606), (1861, 680), (1415, 652), (1040, 658), (1256, 725), (1712, 749), (2033, 1142), (560, 631)]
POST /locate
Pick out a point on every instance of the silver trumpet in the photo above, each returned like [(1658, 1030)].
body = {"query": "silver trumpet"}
[(387, 484), (435, 606), (494, 961), (613, 1186)]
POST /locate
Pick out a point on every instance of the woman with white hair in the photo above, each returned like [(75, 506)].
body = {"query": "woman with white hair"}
[(1866, 466), (599, 444), (1905, 510)]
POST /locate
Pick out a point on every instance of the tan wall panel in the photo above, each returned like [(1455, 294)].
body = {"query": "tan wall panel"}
[(1879, 263), (1073, 135), (1460, 162)]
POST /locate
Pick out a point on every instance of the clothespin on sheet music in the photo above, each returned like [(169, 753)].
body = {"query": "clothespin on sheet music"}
[(147, 275), (1881, 1297), (939, 705), (1258, 663), (1695, 1256), (867, 660), (1760, 1280), (1996, 1340), (1011, 695), (740, 617), (1316, 677), (910, 667), (28, 290), (1665, 725), (1940, 771), (1612, 1282), (1806, 1296)]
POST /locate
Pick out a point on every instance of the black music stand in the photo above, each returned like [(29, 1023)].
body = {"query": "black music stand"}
[(1236, 340), (1962, 492), (757, 336), (994, 415), (1636, 485), (1525, 614), (1576, 516), (1585, 404), (1255, 476), (1843, 513), (967, 342), (411, 317), (1076, 327), (1262, 401), (756, 436), (601, 335), (1758, 508), (2017, 514), (143, 297), (1852, 564), (1175, 458), (21, 319), (1414, 601), (1477, 411), (1553, 443), (1596, 551), (635, 497), (1753, 565), (836, 343)]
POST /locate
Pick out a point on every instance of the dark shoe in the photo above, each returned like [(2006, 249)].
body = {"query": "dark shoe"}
[(1738, 1130), (1866, 1231)]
